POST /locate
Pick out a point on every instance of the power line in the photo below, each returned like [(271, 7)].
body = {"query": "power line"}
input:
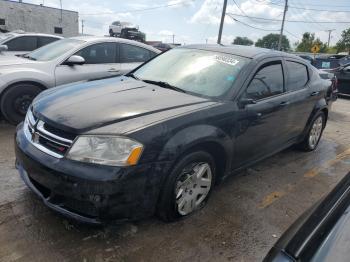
[(139, 10), (263, 29), (293, 21), (305, 8)]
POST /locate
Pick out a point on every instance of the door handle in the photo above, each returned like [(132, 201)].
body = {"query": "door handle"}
[(314, 93), (284, 103)]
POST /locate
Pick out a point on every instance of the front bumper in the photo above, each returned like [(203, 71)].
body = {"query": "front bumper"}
[(87, 192)]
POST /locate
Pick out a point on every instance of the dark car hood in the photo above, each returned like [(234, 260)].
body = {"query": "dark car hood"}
[(82, 107)]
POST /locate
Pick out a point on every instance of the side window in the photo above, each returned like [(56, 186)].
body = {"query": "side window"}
[(43, 40), (268, 81), (102, 53), (152, 54), (133, 54), (22, 43), (297, 76)]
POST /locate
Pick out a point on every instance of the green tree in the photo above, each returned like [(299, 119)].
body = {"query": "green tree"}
[(271, 41), (308, 41), (344, 43), (242, 41)]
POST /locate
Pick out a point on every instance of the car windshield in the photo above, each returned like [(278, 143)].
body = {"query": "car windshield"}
[(200, 72), (54, 50)]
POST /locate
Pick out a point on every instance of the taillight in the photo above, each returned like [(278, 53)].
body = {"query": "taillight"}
[(334, 83)]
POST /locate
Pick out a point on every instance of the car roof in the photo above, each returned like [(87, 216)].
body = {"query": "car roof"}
[(241, 50), (114, 39), (20, 33)]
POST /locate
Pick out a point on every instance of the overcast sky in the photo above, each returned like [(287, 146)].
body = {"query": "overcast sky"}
[(194, 21)]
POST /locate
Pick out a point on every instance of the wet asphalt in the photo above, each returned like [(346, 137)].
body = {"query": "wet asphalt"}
[(244, 217)]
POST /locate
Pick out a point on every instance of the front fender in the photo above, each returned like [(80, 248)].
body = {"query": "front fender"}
[(193, 137), (10, 77)]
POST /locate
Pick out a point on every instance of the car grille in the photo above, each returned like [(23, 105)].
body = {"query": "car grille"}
[(46, 138)]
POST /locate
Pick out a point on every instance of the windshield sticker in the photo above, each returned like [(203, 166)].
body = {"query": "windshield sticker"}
[(326, 64), (226, 60)]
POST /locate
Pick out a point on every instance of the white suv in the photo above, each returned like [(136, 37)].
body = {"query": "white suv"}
[(18, 42), (61, 62), (115, 29)]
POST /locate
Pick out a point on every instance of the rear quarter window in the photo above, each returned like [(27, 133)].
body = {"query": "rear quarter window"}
[(297, 75)]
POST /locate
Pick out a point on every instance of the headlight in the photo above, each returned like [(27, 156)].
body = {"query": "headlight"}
[(106, 150)]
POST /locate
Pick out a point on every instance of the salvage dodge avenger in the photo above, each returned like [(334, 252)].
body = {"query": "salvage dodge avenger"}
[(156, 140)]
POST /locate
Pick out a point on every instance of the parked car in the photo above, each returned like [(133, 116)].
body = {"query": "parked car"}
[(126, 30), (64, 61), (321, 233), (157, 139), (162, 47), (339, 65), (19, 43)]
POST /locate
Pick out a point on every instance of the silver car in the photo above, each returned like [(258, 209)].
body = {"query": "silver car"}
[(19, 42), (61, 62)]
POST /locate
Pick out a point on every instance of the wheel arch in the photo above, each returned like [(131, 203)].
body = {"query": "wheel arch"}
[(321, 106), (37, 83), (201, 138)]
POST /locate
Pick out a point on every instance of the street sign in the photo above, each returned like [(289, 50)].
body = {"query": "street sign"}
[(315, 49)]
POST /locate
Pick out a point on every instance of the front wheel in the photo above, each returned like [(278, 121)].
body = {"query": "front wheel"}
[(314, 134), (188, 186), (16, 100)]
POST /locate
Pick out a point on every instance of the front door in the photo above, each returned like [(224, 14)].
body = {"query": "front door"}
[(261, 127), (100, 62)]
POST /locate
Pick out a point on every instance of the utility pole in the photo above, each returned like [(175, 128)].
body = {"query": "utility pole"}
[(82, 26), (282, 26), (173, 39), (206, 41), (222, 21), (329, 35)]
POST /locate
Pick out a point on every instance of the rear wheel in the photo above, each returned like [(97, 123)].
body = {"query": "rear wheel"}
[(313, 137), (188, 187), (16, 100)]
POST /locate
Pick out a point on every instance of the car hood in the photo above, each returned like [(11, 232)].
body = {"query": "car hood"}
[(83, 107), (9, 60)]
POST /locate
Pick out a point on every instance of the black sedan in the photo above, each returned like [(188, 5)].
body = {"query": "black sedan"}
[(321, 233), (158, 139)]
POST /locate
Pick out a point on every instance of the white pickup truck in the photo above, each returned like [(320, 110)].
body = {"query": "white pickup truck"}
[(115, 29), (126, 30)]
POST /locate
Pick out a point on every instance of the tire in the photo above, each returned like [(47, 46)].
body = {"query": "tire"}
[(111, 32), (313, 136), (16, 100), (194, 193)]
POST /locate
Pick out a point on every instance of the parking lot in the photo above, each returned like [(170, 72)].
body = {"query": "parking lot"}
[(245, 216)]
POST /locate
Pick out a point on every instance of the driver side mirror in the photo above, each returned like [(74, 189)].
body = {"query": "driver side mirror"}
[(75, 60), (246, 101), (3, 48)]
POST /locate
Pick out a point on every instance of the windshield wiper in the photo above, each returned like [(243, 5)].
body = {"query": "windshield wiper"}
[(29, 57), (164, 84), (133, 76)]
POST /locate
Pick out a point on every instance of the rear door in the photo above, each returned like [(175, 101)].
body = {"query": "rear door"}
[(302, 98), (131, 56), (263, 126), (100, 62)]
